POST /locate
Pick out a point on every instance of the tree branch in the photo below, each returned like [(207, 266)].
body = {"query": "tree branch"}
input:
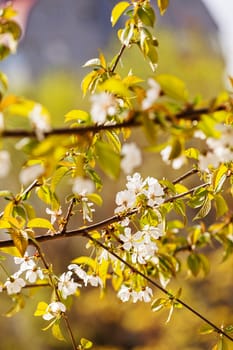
[(191, 114), (99, 225)]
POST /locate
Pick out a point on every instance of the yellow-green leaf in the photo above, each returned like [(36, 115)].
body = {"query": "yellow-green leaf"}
[(219, 177), (118, 10), (77, 114), (115, 86), (221, 205), (41, 308), (173, 87), (56, 331), (85, 260), (20, 240), (95, 198), (163, 5), (88, 81), (108, 159), (40, 223), (86, 344)]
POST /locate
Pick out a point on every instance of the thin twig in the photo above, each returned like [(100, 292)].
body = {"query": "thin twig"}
[(122, 49)]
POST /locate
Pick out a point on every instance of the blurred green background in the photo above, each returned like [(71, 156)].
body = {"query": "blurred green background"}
[(110, 324)]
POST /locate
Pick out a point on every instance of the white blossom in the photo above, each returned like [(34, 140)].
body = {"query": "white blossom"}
[(154, 192), (93, 280), (125, 294), (103, 105), (132, 157), (5, 163), (177, 162), (34, 274), (14, 284), (66, 284), (26, 263), (39, 121), (125, 200), (135, 183), (55, 214), (152, 94), (54, 310), (31, 173), (83, 186)]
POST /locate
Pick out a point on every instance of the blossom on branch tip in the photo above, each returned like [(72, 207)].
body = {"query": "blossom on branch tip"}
[(14, 284), (55, 214), (177, 162), (66, 284), (104, 104), (39, 121), (131, 157), (54, 310), (125, 294)]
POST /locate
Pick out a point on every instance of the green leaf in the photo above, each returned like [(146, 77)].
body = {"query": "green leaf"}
[(173, 87), (85, 260), (57, 177), (221, 205), (163, 5), (158, 304), (146, 15), (88, 82), (108, 159), (118, 10), (206, 329), (95, 198), (205, 209), (56, 331), (40, 223), (194, 264), (219, 177), (20, 240), (115, 86), (77, 115)]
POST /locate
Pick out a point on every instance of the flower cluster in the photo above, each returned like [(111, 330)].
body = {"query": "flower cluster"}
[(149, 191), (220, 150), (126, 293), (93, 280), (141, 245), (28, 266), (104, 105)]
